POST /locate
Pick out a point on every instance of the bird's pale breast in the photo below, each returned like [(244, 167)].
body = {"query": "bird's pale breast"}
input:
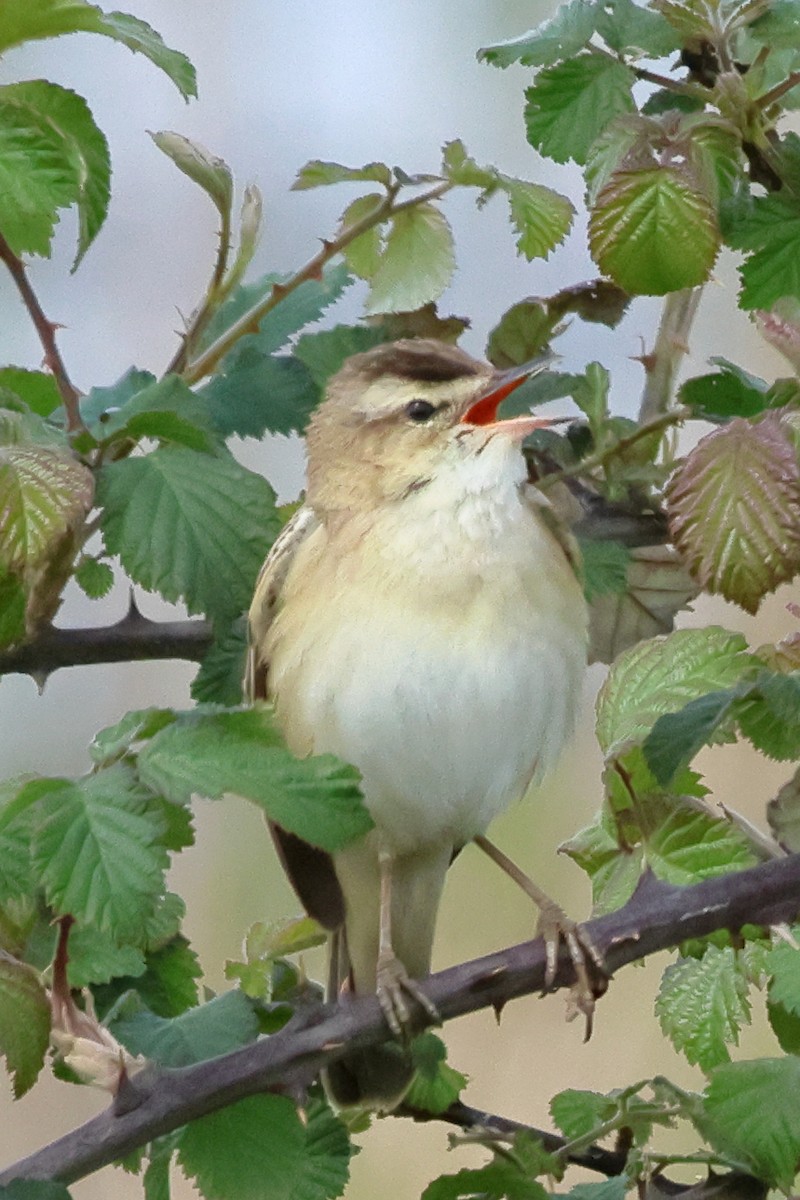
[(440, 648)]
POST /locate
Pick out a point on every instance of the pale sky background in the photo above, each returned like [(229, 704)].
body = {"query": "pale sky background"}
[(281, 82)]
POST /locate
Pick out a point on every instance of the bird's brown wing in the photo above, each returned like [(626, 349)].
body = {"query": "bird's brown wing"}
[(310, 870)]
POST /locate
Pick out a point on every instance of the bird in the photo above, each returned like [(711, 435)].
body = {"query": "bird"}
[(422, 618)]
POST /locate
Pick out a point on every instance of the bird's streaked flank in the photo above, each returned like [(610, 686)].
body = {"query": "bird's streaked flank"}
[(420, 617)]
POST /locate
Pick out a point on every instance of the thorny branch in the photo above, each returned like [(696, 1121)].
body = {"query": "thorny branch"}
[(658, 916)]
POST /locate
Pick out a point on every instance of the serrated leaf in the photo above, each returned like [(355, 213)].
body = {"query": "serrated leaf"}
[(323, 353), (772, 232), (723, 395), (417, 262), (43, 493), (661, 676), (326, 1161), (503, 1178), (778, 27), (298, 308), (676, 737), (571, 104), (658, 587), (101, 404), (24, 1022), (363, 253), (51, 18), (217, 1027), (140, 724), (577, 1112), (94, 578), (212, 174), (734, 510), (685, 843), (97, 849), (522, 332), (156, 1176), (561, 36), (461, 169), (96, 957), (257, 393), (635, 31), (190, 526), (653, 232), (614, 871), (783, 966), (38, 176), (219, 680), (317, 798), (250, 1150), (84, 144), (769, 715), (610, 1189), (38, 389), (751, 1114), (702, 1005), (318, 173), (783, 814), (436, 1085), (166, 409), (540, 216)]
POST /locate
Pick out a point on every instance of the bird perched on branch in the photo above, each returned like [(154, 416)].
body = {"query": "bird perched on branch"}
[(420, 618)]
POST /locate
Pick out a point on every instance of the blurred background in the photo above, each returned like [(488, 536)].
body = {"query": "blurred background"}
[(280, 82)]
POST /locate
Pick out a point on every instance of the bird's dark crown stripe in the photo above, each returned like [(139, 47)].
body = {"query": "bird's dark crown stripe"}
[(420, 361)]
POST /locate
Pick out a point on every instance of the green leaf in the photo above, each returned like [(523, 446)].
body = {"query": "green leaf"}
[(44, 492), (783, 814), (572, 103), (751, 1114), (562, 36), (461, 169), (217, 1027), (417, 262), (635, 31), (783, 965), (190, 526), (321, 174), (94, 578), (778, 27), (676, 737), (38, 176), (508, 1176), (84, 146), (685, 843), (12, 609), (95, 958), (257, 393), (51, 18), (38, 389), (610, 1189), (540, 216), (772, 231), (24, 1022), (298, 308), (769, 715), (97, 851), (734, 510), (663, 675), (139, 725), (165, 409), (436, 1085), (605, 567), (363, 253), (725, 394), (250, 1150), (33, 1189), (219, 680), (702, 1005), (317, 798), (323, 353), (576, 1113), (326, 1160), (156, 1177), (212, 174), (653, 232)]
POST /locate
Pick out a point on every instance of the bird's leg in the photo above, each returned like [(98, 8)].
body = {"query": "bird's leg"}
[(392, 980), (554, 924)]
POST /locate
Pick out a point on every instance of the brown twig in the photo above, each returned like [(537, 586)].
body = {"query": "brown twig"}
[(661, 364), (46, 330)]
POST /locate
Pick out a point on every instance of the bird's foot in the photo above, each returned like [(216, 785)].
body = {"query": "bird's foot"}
[(591, 977), (394, 987)]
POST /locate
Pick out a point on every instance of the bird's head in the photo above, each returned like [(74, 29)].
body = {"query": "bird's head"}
[(398, 414)]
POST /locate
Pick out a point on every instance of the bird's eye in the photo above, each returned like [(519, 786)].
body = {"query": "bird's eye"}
[(420, 411)]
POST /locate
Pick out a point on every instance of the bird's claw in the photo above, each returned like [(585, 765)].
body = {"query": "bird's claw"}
[(393, 988), (591, 976)]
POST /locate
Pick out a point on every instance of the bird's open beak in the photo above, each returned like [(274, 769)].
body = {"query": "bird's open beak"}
[(484, 411)]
